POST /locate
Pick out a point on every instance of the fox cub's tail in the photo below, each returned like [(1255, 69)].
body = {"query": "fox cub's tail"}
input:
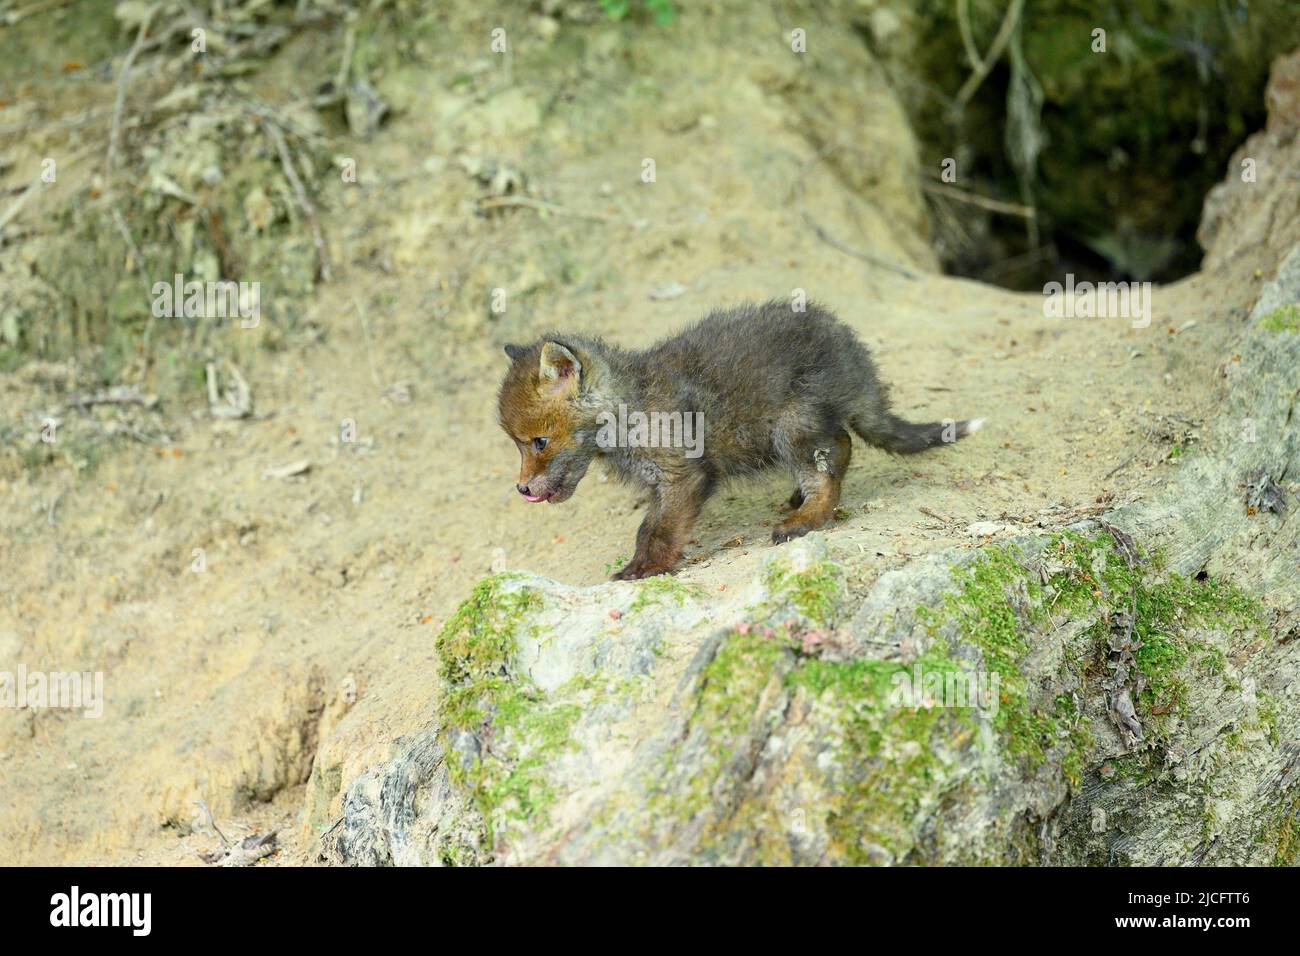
[(902, 437)]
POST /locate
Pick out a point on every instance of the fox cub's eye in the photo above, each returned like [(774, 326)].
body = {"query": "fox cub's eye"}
[(539, 444)]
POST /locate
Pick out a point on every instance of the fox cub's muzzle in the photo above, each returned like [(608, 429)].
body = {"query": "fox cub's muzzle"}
[(554, 477), (547, 484), (535, 490)]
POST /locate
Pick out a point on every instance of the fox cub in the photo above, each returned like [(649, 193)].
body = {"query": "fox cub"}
[(740, 391)]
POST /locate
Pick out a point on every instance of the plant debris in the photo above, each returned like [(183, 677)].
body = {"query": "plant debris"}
[(245, 853), (1265, 494)]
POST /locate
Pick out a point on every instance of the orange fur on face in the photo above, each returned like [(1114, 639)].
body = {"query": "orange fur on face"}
[(533, 407)]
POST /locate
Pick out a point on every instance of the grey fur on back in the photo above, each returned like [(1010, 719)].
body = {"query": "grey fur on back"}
[(769, 380)]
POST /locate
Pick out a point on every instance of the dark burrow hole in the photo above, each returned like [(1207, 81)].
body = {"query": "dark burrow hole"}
[(1116, 155)]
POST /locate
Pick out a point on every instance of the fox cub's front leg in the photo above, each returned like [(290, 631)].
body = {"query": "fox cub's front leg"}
[(666, 528)]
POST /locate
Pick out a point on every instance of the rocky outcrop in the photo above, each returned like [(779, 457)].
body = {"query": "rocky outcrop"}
[(1252, 214), (1125, 690)]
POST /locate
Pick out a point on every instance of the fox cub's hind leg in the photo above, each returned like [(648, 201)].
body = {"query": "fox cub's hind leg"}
[(819, 466)]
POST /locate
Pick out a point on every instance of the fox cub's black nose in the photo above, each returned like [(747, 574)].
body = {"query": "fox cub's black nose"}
[(522, 489)]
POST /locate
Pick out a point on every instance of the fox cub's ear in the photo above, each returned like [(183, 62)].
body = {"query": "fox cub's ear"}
[(516, 351), (559, 367)]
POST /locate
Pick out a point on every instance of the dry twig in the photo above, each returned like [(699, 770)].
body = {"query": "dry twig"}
[(974, 199), (500, 201), (115, 133), (796, 194), (987, 62), (309, 211)]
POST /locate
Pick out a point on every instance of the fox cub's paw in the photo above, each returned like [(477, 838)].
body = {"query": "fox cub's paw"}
[(784, 532), (640, 569)]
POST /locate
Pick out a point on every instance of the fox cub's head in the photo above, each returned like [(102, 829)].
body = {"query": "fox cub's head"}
[(545, 405)]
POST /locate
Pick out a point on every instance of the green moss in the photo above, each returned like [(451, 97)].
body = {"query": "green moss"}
[(727, 705), (994, 593), (1092, 573), (663, 12), (1074, 728), (479, 638), (868, 678), (731, 681), (1284, 319), (520, 730), (886, 764), (527, 733), (999, 605), (1279, 836), (814, 592), (1288, 836), (1141, 767), (1268, 716), (1176, 620), (662, 588), (888, 768)]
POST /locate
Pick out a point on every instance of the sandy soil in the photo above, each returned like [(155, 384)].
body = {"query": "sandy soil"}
[(224, 686)]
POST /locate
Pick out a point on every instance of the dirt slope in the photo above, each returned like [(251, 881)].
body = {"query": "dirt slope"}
[(309, 634)]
